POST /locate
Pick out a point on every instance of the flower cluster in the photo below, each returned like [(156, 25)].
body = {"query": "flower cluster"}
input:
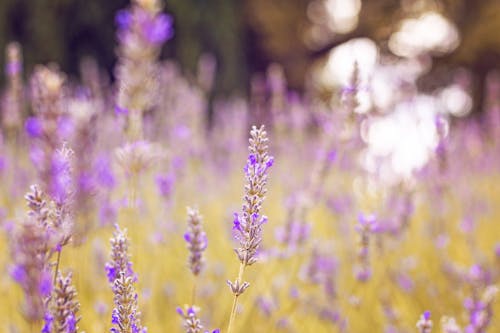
[(120, 259), (196, 240), (62, 307), (49, 126), (480, 310), (424, 324), (13, 102), (192, 323), (125, 316), (142, 30), (247, 226), (31, 249)]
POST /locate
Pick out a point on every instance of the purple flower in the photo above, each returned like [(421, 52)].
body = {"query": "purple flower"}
[(367, 222), (12, 68), (123, 19), (104, 173), (179, 311), (47, 327), (71, 323), (196, 241), (236, 222), (18, 273), (45, 284), (62, 182), (332, 156), (110, 272), (159, 30), (107, 213), (33, 127), (247, 226), (65, 127), (85, 182), (165, 184), (119, 111), (252, 159)]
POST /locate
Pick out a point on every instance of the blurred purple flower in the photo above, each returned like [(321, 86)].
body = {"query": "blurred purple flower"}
[(65, 127), (47, 327), (159, 30), (18, 273), (45, 284), (119, 111), (123, 19), (33, 127), (104, 173), (165, 184), (12, 68)]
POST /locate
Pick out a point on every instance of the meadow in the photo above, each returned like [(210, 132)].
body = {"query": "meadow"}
[(124, 208)]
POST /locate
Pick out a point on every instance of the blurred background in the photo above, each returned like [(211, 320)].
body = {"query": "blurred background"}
[(439, 42)]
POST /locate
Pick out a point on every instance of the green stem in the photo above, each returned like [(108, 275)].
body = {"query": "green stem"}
[(235, 300)]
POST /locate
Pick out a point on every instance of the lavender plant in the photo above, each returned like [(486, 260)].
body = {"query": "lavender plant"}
[(31, 250), (125, 315), (48, 126), (120, 259), (196, 240), (13, 100), (62, 307), (424, 324), (247, 226), (142, 29), (192, 323)]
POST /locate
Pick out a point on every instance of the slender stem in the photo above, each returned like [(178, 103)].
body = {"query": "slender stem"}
[(133, 189), (193, 296), (57, 265), (235, 300)]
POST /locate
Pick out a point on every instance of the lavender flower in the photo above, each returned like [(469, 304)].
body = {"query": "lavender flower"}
[(125, 316), (480, 310), (196, 241), (31, 249), (247, 226), (424, 324), (142, 30), (322, 270), (62, 188), (192, 323), (13, 103), (48, 105), (365, 227), (165, 184), (62, 307), (120, 259)]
